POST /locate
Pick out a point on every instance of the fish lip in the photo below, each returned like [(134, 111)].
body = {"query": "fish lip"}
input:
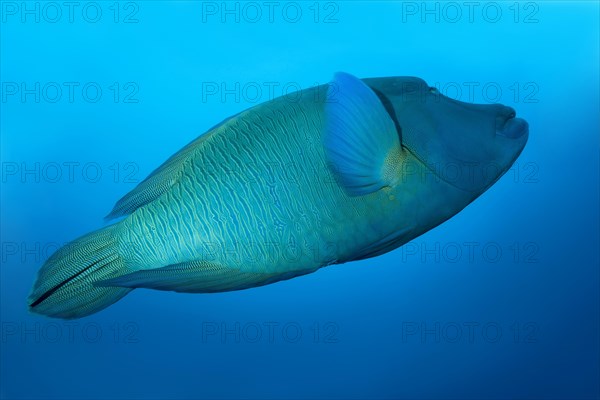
[(513, 128)]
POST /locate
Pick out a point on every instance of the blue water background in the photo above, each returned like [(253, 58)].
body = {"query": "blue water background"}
[(391, 327)]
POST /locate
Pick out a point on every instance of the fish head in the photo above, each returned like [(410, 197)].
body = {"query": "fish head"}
[(469, 146)]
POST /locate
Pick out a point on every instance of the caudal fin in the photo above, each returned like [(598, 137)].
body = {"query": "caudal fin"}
[(65, 284)]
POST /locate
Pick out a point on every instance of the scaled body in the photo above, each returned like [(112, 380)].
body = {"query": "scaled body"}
[(332, 174)]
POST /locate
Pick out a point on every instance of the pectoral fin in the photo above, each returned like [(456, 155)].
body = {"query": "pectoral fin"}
[(361, 139)]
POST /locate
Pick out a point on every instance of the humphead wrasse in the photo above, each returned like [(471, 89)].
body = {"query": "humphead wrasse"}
[(331, 174)]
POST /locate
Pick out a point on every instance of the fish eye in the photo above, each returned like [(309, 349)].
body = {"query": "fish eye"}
[(433, 90)]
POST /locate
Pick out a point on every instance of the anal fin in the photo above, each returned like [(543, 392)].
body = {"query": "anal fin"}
[(198, 277)]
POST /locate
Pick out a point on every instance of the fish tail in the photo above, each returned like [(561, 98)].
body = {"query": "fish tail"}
[(65, 287)]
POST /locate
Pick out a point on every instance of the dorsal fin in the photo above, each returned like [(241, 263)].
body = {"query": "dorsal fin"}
[(157, 183), (161, 179)]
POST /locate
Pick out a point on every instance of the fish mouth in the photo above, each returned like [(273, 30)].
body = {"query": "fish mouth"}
[(510, 126)]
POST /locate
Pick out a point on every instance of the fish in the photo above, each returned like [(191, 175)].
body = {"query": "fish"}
[(331, 174)]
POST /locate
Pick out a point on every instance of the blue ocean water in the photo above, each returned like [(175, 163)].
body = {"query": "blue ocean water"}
[(501, 301)]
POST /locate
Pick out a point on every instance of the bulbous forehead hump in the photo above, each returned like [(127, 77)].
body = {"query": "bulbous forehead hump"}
[(397, 85)]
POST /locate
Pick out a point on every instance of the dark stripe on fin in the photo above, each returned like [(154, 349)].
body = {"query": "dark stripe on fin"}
[(65, 288), (49, 292)]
